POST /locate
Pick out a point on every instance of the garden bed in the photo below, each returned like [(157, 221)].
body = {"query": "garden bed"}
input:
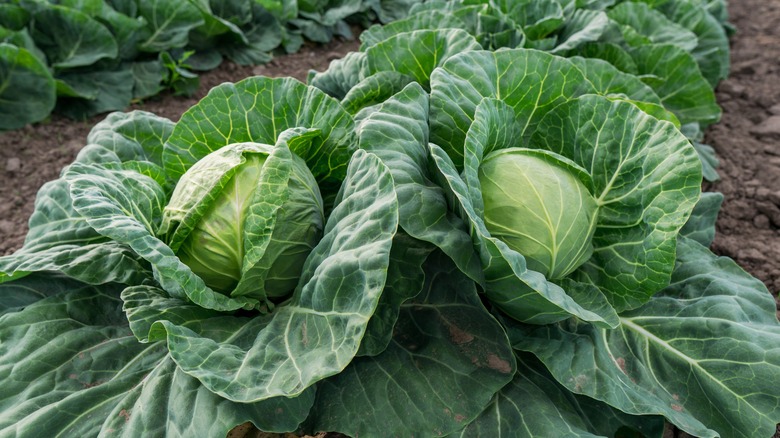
[(746, 141)]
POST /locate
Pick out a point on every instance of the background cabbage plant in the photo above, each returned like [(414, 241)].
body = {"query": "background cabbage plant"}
[(87, 57), (667, 55)]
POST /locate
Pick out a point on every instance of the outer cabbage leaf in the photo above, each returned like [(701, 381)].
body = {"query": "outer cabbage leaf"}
[(71, 38), (169, 23), (608, 80), (699, 353), (719, 10), (23, 40), (533, 404), (529, 81), (653, 25), (148, 77), (127, 137), (27, 88), (263, 34), (96, 91), (431, 19), (701, 225), (398, 134), (709, 161), (646, 179), (318, 332), (59, 239), (283, 9), (193, 410), (405, 279), (17, 295), (221, 18), (328, 12), (322, 19), (391, 10), (418, 53), (257, 110), (126, 207), (538, 18), (71, 367), (447, 358), (674, 76), (582, 27), (612, 53), (13, 17), (342, 74), (374, 90), (128, 29)]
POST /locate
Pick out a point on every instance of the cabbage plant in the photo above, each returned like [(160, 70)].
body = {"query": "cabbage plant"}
[(605, 140), (201, 229), (601, 378), (589, 232), (213, 216)]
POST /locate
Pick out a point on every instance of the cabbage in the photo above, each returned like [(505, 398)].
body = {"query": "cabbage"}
[(536, 203), (224, 219)]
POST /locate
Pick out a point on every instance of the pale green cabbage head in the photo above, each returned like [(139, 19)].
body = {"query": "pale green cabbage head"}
[(536, 202), (227, 204)]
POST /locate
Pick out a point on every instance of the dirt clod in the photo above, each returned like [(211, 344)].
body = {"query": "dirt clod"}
[(761, 222), (752, 255), (772, 211), (770, 126), (6, 226), (13, 164)]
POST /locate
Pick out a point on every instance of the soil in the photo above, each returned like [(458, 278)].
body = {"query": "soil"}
[(747, 141)]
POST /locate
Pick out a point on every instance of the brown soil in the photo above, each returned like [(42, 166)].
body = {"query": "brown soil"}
[(747, 141)]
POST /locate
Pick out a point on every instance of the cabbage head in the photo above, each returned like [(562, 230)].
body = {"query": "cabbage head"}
[(222, 220), (537, 203)]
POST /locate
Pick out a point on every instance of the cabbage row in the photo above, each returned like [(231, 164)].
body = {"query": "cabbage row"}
[(452, 232), (85, 57)]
